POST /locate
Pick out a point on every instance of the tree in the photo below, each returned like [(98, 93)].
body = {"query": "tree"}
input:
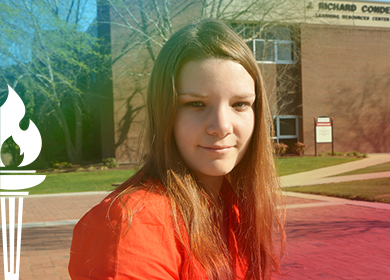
[(56, 59)]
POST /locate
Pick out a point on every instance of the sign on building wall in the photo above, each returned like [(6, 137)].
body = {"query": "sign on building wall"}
[(323, 127), (355, 13), (334, 12), (324, 131)]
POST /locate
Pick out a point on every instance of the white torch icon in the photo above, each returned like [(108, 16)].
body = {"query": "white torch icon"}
[(30, 144)]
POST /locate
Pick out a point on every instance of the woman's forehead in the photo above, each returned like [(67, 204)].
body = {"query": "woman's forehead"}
[(198, 76)]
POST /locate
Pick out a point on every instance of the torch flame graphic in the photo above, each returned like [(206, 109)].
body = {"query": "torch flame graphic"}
[(29, 141)]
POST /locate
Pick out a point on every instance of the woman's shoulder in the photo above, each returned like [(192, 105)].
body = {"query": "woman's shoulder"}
[(148, 202), (128, 235)]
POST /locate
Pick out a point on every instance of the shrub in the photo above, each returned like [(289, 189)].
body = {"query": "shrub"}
[(280, 148), (364, 155), (356, 153), (110, 162), (320, 154), (350, 154), (329, 153), (299, 148), (338, 154), (61, 165)]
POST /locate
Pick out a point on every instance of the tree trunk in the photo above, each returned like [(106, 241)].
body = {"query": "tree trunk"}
[(78, 129), (73, 156)]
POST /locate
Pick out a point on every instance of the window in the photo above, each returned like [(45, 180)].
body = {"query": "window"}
[(273, 51), (268, 44), (286, 129)]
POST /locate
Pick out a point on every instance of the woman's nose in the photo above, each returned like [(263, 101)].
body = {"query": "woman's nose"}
[(219, 121)]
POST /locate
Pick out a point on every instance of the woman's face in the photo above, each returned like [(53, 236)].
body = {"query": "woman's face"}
[(215, 116)]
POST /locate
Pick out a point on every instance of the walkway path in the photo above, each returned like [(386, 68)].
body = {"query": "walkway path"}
[(322, 175), (328, 238)]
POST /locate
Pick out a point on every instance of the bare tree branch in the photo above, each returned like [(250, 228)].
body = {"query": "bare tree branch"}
[(69, 11)]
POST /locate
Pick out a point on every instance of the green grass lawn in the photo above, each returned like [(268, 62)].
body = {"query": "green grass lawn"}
[(81, 181), (103, 180), (377, 190), (292, 165), (370, 169)]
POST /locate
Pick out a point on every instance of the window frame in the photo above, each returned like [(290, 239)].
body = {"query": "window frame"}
[(279, 137), (275, 42)]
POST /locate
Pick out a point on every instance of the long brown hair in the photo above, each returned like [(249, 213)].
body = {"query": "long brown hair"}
[(253, 180)]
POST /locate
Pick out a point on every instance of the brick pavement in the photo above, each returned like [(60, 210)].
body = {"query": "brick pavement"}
[(43, 208), (45, 248), (337, 242), (326, 239)]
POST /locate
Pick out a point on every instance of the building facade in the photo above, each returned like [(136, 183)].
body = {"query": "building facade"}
[(319, 58), (344, 46)]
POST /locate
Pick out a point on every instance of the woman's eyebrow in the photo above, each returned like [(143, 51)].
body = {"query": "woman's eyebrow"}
[(202, 95), (245, 95), (193, 94)]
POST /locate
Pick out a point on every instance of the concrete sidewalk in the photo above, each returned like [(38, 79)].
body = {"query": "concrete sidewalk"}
[(322, 175), (327, 238)]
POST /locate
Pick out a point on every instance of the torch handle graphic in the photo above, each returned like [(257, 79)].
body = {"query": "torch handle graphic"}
[(11, 271), (30, 142), (11, 184)]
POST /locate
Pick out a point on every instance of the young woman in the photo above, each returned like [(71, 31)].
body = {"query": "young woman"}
[(205, 205)]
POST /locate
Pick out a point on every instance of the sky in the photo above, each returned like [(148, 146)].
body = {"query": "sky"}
[(88, 11)]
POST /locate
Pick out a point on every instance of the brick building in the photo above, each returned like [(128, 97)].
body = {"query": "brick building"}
[(319, 58)]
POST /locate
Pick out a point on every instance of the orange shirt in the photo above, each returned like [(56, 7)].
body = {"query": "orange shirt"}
[(105, 247)]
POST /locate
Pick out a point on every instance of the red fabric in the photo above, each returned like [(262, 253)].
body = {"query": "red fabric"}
[(105, 247)]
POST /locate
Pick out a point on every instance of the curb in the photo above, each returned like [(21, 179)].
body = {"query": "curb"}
[(330, 201)]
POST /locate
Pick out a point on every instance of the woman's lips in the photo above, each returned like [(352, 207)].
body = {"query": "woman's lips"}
[(217, 149)]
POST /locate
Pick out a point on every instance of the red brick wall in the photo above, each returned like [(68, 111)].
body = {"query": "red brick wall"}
[(269, 73), (345, 75)]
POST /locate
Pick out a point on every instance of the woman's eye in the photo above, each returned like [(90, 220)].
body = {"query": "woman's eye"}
[(195, 104), (241, 105)]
